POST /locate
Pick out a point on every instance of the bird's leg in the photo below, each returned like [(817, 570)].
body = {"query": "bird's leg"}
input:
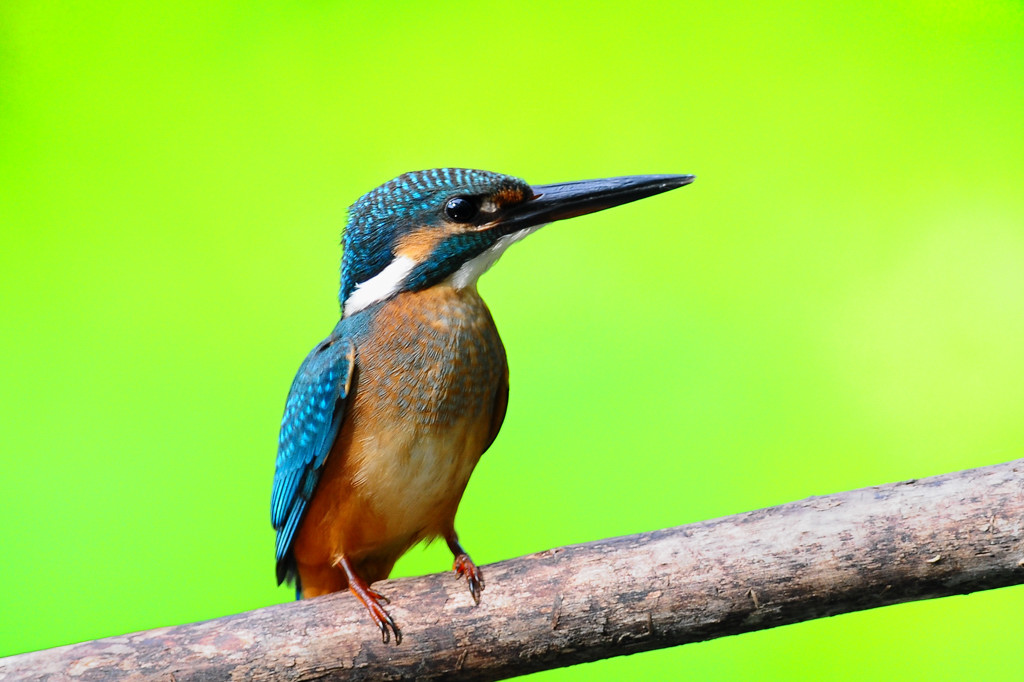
[(464, 566), (371, 599)]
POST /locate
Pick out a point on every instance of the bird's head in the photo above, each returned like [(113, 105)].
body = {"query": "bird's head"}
[(452, 224)]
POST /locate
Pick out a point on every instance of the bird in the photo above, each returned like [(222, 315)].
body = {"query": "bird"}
[(388, 416)]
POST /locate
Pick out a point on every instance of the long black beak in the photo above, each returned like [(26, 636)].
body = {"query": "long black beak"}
[(571, 199)]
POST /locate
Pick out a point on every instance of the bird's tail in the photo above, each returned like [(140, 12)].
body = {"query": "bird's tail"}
[(288, 572)]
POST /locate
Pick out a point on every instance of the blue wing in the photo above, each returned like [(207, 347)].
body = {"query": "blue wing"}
[(312, 417)]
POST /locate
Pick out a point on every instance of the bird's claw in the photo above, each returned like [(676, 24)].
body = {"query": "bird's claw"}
[(464, 567), (385, 623), (372, 599)]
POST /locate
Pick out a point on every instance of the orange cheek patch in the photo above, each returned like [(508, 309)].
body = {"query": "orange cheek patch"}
[(418, 245)]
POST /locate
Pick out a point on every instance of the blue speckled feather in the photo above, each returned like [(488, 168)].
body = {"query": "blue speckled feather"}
[(312, 417)]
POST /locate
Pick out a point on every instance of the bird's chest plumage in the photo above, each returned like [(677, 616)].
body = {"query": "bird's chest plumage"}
[(429, 358), (429, 366)]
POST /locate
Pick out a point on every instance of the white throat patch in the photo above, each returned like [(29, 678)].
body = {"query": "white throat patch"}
[(470, 272), (381, 286)]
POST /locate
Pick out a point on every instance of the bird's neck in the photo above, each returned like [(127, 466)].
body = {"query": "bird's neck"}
[(441, 306), (403, 274), (382, 286), (467, 275)]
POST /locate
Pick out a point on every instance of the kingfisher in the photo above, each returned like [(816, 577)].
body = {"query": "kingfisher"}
[(388, 416)]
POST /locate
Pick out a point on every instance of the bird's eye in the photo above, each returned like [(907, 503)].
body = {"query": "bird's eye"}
[(460, 210)]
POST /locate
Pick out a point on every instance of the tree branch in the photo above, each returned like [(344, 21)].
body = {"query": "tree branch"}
[(933, 537)]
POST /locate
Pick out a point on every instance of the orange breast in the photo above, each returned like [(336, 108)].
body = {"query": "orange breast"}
[(430, 376)]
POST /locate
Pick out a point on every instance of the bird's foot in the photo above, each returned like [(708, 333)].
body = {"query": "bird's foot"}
[(371, 599), (464, 567), (378, 596)]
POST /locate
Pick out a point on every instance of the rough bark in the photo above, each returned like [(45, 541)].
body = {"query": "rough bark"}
[(922, 539)]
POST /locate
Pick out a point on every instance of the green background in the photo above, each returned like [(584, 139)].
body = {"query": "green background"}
[(838, 301)]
